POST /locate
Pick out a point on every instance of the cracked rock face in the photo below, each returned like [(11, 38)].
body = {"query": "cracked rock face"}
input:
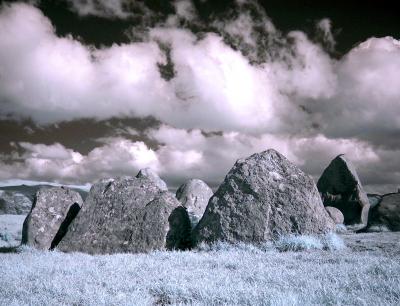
[(194, 195), (340, 187), (51, 213), (262, 197), (128, 215), (14, 203)]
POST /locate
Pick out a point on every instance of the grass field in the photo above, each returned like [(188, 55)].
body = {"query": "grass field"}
[(361, 274)]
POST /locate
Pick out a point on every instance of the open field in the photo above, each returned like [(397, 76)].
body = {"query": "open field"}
[(367, 272)]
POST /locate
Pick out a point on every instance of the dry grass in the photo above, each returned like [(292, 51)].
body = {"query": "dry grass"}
[(220, 275)]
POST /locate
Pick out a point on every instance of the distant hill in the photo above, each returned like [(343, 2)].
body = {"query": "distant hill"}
[(30, 190)]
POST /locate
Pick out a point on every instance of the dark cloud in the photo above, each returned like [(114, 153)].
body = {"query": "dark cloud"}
[(79, 135), (182, 154)]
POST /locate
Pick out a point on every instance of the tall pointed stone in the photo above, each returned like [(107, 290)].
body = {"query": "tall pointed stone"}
[(340, 187), (262, 197)]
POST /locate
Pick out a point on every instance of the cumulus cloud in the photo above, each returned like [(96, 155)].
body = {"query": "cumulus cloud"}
[(324, 29), (102, 8), (58, 163), (215, 86), (184, 154), (124, 9), (311, 153), (185, 9), (367, 102), (52, 79)]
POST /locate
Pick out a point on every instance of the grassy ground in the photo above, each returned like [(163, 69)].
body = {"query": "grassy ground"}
[(365, 273)]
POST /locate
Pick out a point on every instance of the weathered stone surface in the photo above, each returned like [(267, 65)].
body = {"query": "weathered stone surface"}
[(194, 195), (335, 214), (262, 197), (152, 176), (11, 230), (52, 211), (14, 203), (128, 215), (340, 187), (387, 213)]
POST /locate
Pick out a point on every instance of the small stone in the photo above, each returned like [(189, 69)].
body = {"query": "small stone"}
[(194, 195), (335, 214), (14, 203)]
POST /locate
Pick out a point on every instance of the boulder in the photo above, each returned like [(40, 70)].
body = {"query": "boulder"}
[(340, 187), (263, 197), (387, 213), (374, 199), (335, 214), (14, 203), (152, 176), (128, 215), (10, 230), (52, 211), (194, 195)]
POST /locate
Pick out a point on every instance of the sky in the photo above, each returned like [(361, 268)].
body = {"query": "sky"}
[(95, 88)]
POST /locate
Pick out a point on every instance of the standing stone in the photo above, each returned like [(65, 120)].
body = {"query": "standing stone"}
[(152, 176), (128, 215), (374, 199), (340, 187), (387, 213), (194, 195), (14, 203), (262, 197), (52, 211), (335, 214)]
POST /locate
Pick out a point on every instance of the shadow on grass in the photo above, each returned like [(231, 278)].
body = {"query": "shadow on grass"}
[(8, 249)]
